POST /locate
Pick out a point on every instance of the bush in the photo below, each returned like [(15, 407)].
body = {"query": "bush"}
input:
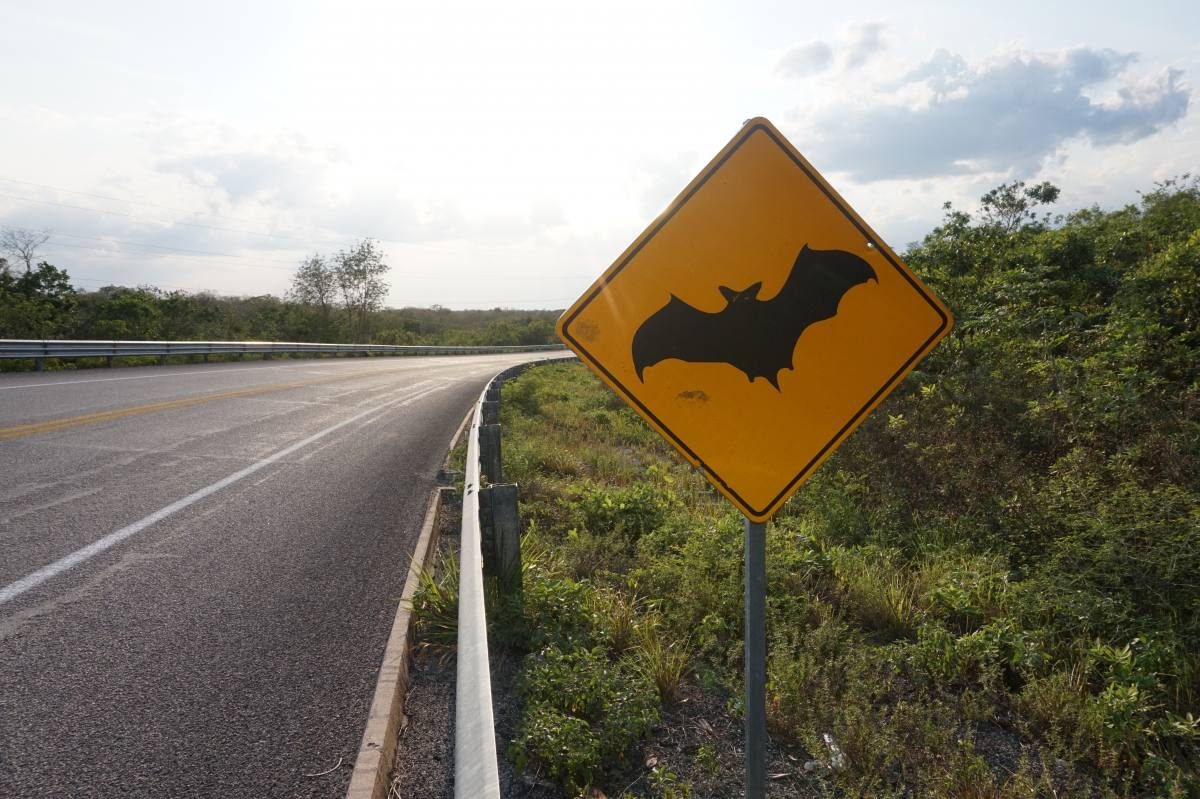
[(583, 712)]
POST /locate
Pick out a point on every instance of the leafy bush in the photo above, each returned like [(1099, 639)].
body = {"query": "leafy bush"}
[(582, 712)]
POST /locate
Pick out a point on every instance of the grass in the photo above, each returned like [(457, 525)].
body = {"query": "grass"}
[(435, 608), (663, 663), (890, 633)]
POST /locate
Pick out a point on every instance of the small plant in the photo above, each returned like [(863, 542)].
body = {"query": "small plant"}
[(885, 595), (615, 619), (556, 611), (666, 784), (435, 608), (563, 747), (621, 515), (663, 664), (706, 761)]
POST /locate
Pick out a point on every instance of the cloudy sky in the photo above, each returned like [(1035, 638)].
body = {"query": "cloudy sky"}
[(504, 153)]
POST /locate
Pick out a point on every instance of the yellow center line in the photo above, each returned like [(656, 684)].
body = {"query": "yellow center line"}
[(18, 431)]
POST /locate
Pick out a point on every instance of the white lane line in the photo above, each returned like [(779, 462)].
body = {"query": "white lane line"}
[(15, 589)]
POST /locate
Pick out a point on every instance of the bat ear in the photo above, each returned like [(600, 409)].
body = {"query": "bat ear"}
[(750, 291)]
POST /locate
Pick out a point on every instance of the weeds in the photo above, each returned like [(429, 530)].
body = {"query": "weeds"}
[(435, 608), (1009, 544), (664, 664)]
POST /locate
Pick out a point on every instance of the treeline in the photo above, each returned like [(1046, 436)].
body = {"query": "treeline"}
[(336, 299)]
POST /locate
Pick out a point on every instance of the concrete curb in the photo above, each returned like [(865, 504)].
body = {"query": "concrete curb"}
[(462, 428), (371, 778)]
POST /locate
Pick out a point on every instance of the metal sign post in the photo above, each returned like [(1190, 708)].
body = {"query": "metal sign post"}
[(756, 659)]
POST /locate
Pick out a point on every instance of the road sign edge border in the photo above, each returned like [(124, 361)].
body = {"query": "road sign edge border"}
[(749, 129)]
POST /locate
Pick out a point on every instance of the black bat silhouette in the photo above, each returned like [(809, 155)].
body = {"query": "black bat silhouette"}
[(752, 335)]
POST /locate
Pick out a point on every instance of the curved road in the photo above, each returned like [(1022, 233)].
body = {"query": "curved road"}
[(199, 567)]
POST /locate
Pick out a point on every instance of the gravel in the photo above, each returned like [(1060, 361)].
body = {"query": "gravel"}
[(424, 764)]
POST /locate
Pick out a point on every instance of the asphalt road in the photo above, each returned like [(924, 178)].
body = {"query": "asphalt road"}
[(199, 567)]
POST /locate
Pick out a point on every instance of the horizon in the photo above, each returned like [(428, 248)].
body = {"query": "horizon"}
[(505, 157)]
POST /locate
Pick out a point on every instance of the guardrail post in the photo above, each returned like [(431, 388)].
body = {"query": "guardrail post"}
[(162, 360), (491, 412), (500, 534), (489, 452), (39, 364), (487, 531), (506, 531)]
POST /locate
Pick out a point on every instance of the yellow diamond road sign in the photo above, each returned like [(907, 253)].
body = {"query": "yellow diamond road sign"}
[(756, 322)]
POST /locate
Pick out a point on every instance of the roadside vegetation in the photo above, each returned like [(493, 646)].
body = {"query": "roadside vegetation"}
[(335, 299), (991, 590)]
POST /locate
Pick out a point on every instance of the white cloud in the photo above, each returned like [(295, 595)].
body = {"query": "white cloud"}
[(857, 44), (806, 59), (863, 42), (1007, 114)]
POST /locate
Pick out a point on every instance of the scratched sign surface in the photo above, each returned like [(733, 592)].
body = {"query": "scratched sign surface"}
[(756, 322)]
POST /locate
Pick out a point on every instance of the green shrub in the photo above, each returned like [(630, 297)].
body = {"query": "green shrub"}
[(583, 712), (620, 515), (698, 583), (563, 747), (556, 610)]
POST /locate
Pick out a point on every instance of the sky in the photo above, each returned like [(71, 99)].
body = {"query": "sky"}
[(504, 154)]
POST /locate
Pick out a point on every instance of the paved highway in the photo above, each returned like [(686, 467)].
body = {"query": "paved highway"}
[(199, 566)]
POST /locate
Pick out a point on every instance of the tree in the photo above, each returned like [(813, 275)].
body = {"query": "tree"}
[(39, 304), (22, 245), (125, 314), (360, 271), (315, 285), (1009, 206)]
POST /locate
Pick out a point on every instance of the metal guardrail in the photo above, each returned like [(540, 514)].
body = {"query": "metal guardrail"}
[(475, 771), (40, 349)]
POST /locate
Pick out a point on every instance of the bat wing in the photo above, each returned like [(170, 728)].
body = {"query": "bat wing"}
[(816, 285), (677, 330), (752, 335)]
